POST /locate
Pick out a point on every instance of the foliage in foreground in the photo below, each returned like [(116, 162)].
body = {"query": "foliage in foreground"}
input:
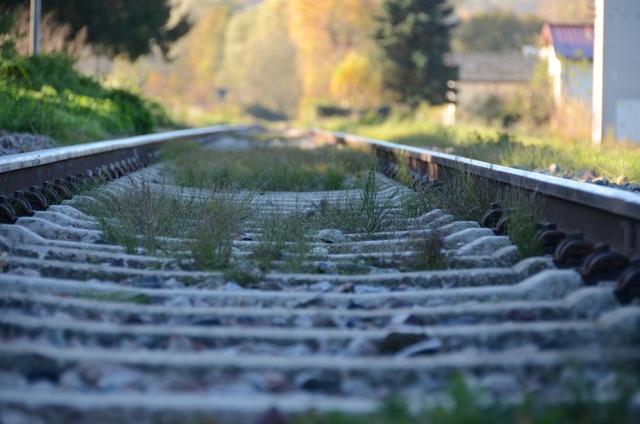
[(469, 406), (45, 95)]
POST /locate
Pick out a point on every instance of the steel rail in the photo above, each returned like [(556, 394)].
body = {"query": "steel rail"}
[(603, 214), (26, 170)]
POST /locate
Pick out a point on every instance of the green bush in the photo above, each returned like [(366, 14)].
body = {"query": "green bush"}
[(44, 94)]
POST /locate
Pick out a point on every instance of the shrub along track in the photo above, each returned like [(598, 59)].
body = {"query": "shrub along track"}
[(94, 332)]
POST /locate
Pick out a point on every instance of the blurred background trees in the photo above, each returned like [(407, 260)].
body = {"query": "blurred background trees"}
[(414, 36), (283, 58), (479, 34), (117, 26)]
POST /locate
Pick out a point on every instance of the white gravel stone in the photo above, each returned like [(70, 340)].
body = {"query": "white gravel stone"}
[(15, 143), (330, 236)]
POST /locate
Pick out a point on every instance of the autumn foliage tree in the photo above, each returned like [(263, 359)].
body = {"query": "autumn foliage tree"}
[(259, 67), (323, 33), (414, 36), (355, 81), (202, 55)]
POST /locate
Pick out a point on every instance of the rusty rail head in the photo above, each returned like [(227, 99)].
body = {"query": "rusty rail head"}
[(26, 170), (604, 214)]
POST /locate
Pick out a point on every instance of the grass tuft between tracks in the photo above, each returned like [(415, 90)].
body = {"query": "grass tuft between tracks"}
[(266, 168), (200, 227), (468, 197)]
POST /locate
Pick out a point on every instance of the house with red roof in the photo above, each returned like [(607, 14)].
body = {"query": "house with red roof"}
[(569, 53)]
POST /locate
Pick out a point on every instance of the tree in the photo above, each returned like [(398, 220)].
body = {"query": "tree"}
[(414, 37), (496, 31), (201, 53), (259, 68), (355, 82), (323, 32), (117, 26)]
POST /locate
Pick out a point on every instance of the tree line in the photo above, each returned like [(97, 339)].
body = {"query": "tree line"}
[(277, 56)]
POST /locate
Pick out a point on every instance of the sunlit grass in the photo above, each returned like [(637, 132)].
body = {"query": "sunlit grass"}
[(270, 169), (514, 148)]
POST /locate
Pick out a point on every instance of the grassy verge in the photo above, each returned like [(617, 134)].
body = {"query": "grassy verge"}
[(43, 94), (513, 148)]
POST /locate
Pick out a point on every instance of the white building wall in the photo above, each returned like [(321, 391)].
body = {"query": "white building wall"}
[(577, 80), (554, 70), (616, 71)]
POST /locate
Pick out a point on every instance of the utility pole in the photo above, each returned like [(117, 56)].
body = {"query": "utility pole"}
[(34, 30)]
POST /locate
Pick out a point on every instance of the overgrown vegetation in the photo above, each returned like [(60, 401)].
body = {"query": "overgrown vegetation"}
[(522, 212), (428, 252), (468, 197), (44, 94), (198, 227), (369, 212), (267, 168), (159, 220), (283, 238), (509, 148), (462, 194)]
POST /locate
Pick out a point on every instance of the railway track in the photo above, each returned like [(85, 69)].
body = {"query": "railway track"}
[(96, 332)]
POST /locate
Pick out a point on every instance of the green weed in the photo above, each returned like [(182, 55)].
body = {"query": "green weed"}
[(283, 237), (428, 252), (218, 222), (368, 213), (522, 211), (161, 220), (414, 204), (461, 193)]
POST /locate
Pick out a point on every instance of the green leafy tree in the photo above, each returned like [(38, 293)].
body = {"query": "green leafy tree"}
[(117, 26), (414, 36), (7, 42), (496, 31)]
